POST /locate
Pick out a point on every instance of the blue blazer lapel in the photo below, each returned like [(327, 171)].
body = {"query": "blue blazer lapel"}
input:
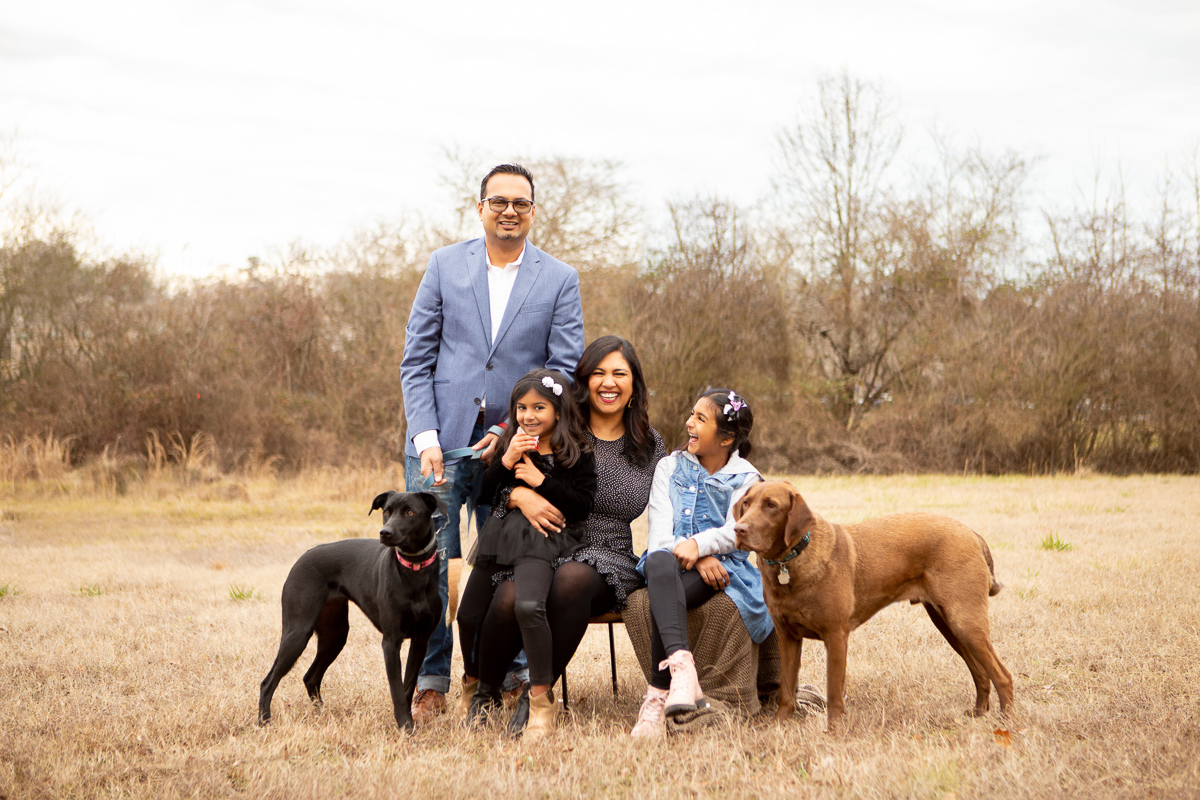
[(531, 265), (477, 269)]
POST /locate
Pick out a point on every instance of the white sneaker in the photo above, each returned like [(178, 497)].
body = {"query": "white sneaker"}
[(685, 693), (651, 715)]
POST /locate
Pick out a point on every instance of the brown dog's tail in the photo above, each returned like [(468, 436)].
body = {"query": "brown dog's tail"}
[(987, 556)]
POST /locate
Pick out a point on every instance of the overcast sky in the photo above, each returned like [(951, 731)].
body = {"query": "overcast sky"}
[(208, 132)]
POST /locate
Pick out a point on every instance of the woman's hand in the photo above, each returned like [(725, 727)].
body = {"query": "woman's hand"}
[(527, 472), (520, 444), (541, 513), (687, 552), (713, 572)]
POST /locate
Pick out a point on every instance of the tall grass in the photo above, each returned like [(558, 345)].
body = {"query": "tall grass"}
[(44, 458), (149, 689)]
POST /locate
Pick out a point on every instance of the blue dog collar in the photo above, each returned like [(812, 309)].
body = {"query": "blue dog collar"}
[(795, 551)]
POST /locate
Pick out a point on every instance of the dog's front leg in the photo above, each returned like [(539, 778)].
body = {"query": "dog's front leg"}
[(418, 646), (391, 662), (835, 677), (789, 671)]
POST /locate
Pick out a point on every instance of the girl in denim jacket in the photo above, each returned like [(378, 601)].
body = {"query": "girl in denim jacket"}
[(691, 553)]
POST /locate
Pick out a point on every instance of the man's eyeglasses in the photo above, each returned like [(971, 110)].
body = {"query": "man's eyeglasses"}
[(500, 205)]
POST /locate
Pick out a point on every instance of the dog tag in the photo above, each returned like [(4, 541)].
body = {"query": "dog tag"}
[(784, 579)]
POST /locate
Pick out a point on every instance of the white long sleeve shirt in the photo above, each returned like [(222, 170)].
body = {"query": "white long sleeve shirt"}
[(712, 541)]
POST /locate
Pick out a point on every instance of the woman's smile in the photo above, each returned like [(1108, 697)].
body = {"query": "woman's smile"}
[(610, 386)]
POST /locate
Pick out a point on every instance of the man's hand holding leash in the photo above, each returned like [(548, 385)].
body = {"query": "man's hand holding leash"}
[(432, 458), (431, 462)]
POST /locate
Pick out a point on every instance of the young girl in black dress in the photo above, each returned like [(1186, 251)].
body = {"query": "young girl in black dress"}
[(543, 448)]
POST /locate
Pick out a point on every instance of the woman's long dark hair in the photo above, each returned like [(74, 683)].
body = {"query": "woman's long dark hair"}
[(567, 441), (639, 441)]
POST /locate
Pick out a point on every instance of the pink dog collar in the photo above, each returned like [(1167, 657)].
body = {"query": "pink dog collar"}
[(416, 566)]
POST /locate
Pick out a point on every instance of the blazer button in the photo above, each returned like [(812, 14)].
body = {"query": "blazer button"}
[(476, 401), (489, 366)]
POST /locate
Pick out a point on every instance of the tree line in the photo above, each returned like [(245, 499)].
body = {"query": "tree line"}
[(883, 313)]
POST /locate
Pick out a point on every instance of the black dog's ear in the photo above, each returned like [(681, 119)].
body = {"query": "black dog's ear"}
[(434, 502), (380, 502)]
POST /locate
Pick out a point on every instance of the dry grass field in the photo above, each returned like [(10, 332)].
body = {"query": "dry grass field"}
[(136, 627)]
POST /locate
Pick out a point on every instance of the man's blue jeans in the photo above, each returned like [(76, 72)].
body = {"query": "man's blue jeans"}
[(460, 489)]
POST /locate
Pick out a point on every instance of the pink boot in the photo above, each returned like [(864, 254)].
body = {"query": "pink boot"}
[(685, 694), (650, 717)]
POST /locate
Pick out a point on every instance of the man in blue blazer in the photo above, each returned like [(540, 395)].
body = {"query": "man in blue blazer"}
[(487, 311)]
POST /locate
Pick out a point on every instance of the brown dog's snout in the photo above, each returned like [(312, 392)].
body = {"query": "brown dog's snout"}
[(740, 530), (748, 538)]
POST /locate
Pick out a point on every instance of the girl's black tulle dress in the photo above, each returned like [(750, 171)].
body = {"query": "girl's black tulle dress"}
[(507, 536)]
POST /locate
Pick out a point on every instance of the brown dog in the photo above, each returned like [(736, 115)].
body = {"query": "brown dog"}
[(821, 581)]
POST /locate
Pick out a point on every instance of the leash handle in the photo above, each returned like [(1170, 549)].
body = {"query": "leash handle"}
[(462, 452)]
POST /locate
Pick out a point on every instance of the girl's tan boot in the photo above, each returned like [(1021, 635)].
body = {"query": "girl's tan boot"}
[(542, 712)]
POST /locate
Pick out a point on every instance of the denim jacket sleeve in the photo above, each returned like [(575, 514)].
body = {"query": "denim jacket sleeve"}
[(715, 541), (660, 516)]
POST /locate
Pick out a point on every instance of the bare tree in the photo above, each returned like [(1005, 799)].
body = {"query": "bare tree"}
[(833, 166), (711, 310)]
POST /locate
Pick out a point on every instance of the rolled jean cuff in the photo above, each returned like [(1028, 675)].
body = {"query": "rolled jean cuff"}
[(513, 678), (435, 682)]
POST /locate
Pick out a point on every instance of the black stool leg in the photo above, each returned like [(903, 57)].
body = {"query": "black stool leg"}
[(612, 657), (566, 699)]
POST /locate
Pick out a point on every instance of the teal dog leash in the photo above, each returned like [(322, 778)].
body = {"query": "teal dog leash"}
[(462, 452)]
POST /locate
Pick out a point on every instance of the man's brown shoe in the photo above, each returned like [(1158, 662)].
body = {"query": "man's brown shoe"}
[(427, 704)]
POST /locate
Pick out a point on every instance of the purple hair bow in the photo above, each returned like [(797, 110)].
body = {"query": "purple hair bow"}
[(734, 405)]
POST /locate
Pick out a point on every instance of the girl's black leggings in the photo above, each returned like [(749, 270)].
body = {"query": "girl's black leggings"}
[(672, 592), (531, 583), (577, 593)]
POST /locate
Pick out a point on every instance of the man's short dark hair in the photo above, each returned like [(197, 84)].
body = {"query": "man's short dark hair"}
[(506, 169)]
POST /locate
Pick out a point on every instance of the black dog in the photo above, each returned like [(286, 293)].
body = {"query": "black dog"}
[(395, 583)]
